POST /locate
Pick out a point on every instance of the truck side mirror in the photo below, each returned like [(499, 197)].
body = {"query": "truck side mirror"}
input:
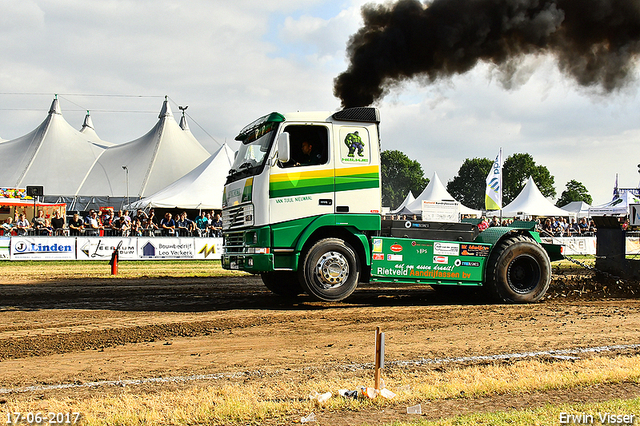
[(284, 147)]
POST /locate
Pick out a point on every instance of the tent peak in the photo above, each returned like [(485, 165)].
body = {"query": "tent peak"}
[(55, 107), (166, 109), (87, 121)]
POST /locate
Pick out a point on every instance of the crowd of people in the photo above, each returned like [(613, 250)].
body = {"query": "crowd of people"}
[(108, 222), (548, 227)]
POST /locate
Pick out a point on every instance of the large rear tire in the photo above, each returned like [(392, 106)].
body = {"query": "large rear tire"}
[(519, 271), (329, 270), (282, 283)]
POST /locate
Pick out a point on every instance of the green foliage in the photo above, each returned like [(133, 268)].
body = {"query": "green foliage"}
[(468, 186), (575, 191), (400, 175), (516, 171)]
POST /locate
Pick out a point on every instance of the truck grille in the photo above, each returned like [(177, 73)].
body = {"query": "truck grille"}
[(237, 217), (233, 242)]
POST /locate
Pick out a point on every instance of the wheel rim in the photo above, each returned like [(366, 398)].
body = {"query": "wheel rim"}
[(523, 274), (332, 270)]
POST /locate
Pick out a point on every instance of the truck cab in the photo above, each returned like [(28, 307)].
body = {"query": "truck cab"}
[(299, 178)]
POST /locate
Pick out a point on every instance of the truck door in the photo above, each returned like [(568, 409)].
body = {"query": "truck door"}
[(304, 186)]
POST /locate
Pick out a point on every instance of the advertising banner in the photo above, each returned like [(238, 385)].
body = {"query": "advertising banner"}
[(5, 242), (102, 248), (43, 248), (166, 248), (440, 211), (208, 248)]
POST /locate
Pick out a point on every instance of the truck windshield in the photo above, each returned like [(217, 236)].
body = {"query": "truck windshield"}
[(256, 140)]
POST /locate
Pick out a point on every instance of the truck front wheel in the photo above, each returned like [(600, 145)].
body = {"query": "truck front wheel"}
[(519, 271), (282, 283), (329, 270)]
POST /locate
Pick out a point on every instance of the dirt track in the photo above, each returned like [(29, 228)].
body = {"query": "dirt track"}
[(76, 331)]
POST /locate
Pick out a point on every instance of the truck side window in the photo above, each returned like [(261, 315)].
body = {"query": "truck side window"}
[(309, 145)]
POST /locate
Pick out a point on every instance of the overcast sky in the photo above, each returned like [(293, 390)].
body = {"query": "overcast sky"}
[(232, 62)]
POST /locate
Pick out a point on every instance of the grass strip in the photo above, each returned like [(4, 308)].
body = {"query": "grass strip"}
[(283, 397), (617, 411)]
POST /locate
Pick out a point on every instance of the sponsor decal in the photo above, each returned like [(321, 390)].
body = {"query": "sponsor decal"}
[(441, 260), (378, 256), (394, 257), (377, 245), (396, 248), (474, 250), (459, 262), (446, 249), (293, 199)]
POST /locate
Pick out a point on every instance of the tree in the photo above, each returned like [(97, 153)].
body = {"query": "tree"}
[(516, 171), (575, 191), (468, 186), (400, 175)]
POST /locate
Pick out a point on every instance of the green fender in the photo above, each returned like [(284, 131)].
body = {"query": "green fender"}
[(352, 224)]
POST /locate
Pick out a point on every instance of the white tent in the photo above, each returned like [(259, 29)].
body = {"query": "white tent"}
[(90, 132), (619, 206), (530, 202), (401, 208), (54, 155), (435, 191), (578, 209), (148, 164), (199, 189)]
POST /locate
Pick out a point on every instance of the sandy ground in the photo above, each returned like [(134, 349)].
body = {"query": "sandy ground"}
[(78, 331)]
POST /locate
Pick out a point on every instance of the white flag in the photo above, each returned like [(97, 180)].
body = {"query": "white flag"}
[(493, 192)]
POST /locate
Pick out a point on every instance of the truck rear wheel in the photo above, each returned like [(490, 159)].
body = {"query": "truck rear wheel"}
[(282, 283), (329, 270), (519, 271)]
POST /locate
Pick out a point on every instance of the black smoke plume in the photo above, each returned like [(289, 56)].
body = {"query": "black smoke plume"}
[(594, 41)]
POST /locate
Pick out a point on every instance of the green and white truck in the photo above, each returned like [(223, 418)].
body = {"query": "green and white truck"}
[(302, 208)]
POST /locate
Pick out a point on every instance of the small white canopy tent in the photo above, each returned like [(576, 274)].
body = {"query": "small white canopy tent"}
[(578, 209), (530, 202), (148, 164), (435, 191), (199, 189), (54, 155), (402, 207), (619, 206)]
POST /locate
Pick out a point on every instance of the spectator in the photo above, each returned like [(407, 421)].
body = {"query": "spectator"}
[(216, 226), (182, 226), (76, 225), (22, 225), (483, 224), (168, 225), (57, 223), (136, 227), (39, 223), (202, 224), (107, 218), (7, 226), (46, 229), (584, 226), (93, 226), (574, 228), (494, 222), (120, 226), (152, 217), (140, 215)]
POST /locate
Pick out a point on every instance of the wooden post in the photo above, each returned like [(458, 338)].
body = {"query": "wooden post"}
[(379, 362)]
